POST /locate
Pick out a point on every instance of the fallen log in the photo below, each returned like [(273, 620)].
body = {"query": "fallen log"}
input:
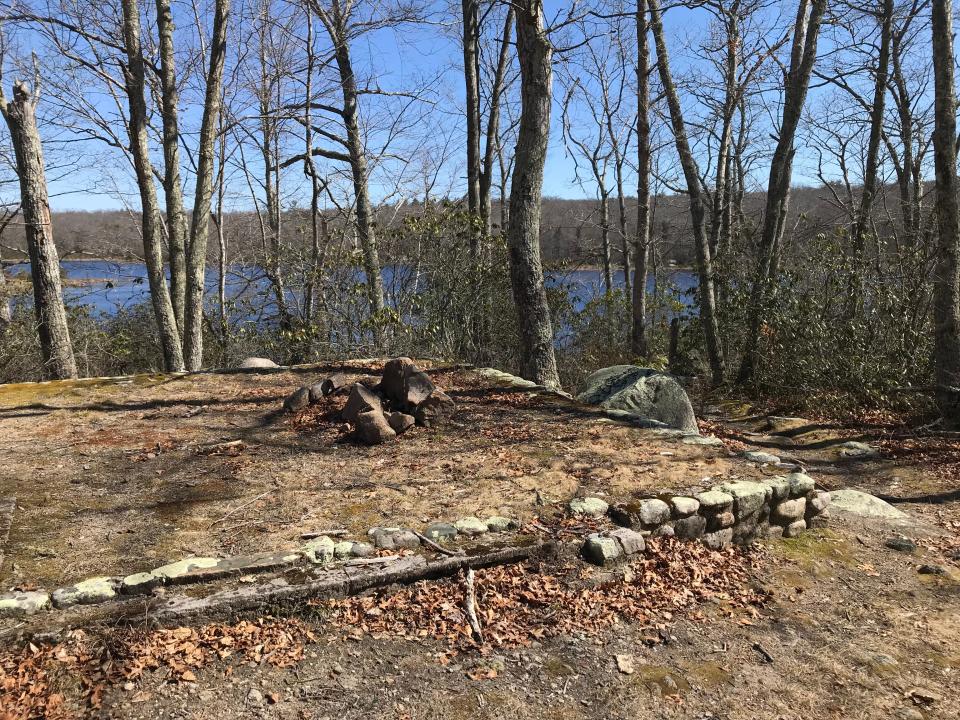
[(337, 582)]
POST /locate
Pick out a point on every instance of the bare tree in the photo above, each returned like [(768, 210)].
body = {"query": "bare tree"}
[(499, 82), (876, 130), (135, 85), (947, 273), (20, 114), (596, 131), (480, 160), (200, 220), (7, 214), (471, 77), (803, 54), (642, 240), (708, 312), (341, 26), (535, 53), (173, 191)]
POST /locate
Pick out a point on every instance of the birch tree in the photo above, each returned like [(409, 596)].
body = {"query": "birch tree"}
[(135, 82), (200, 219)]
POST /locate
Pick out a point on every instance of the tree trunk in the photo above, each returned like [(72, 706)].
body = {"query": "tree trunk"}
[(20, 114), (173, 192), (708, 315), (873, 156), (471, 79), (200, 221), (803, 54), (135, 81), (358, 169), (721, 194), (493, 123), (642, 241), (6, 312), (909, 200), (523, 234), (310, 169), (622, 225), (946, 310), (222, 241), (605, 237)]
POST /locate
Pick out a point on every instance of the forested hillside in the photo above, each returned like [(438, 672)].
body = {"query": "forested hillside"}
[(570, 231)]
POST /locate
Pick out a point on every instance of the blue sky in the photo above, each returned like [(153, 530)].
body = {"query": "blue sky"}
[(399, 58)]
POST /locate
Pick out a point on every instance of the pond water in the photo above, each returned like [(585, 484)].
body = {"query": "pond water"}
[(108, 286)]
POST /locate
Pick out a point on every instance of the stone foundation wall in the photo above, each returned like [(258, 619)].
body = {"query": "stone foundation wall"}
[(730, 513)]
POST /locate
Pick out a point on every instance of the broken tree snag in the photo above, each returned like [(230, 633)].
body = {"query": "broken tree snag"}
[(51, 316), (338, 582), (7, 506)]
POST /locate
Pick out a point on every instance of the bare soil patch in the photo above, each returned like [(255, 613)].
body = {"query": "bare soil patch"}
[(120, 477), (830, 624)]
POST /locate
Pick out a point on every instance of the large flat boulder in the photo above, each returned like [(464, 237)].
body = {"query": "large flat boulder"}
[(253, 363), (641, 392), (864, 504)]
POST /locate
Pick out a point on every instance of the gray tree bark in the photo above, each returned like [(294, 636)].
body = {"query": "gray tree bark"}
[(471, 78), (873, 153), (20, 114), (493, 122), (642, 241), (708, 313), (946, 311), (173, 192), (335, 21), (803, 53), (200, 221), (523, 234), (134, 78), (6, 315)]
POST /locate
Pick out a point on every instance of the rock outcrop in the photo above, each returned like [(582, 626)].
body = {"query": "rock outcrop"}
[(642, 393)]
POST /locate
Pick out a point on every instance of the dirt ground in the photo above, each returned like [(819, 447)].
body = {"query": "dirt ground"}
[(832, 624), (114, 478)]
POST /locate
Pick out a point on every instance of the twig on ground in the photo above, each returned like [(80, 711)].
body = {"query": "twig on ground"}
[(241, 507), (340, 532), (380, 559), (436, 546), (470, 603)]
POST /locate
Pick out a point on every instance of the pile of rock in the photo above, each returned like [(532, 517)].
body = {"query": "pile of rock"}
[(404, 397)]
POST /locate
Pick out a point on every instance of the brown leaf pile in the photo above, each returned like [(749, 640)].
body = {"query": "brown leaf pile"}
[(279, 643), (31, 678), (732, 438), (519, 603), (516, 604)]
